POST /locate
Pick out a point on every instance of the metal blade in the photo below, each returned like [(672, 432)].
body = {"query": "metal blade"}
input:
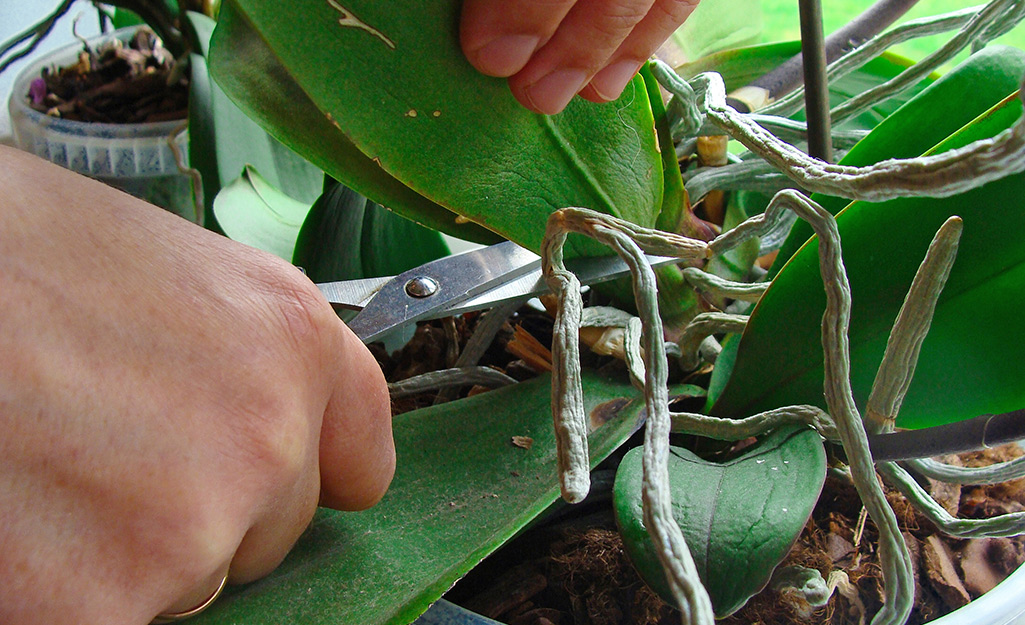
[(353, 294), (423, 291), (591, 270), (474, 280)]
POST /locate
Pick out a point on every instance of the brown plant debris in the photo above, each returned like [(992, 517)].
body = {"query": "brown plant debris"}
[(523, 442), (435, 343), (949, 572), (590, 580), (118, 83), (530, 350), (591, 567), (985, 562), (942, 573)]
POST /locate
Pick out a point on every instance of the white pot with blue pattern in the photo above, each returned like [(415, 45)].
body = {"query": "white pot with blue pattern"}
[(137, 158)]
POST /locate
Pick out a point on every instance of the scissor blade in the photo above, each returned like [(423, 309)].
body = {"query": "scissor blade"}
[(473, 281), (591, 270), (442, 284), (353, 294)]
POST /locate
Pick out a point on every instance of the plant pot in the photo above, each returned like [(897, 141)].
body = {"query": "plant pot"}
[(136, 158)]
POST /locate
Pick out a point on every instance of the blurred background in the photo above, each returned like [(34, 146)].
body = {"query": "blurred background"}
[(780, 22)]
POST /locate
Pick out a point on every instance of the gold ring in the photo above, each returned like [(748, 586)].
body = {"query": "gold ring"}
[(173, 617)]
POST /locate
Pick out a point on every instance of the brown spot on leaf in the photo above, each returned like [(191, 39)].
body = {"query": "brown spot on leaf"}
[(523, 442), (605, 412)]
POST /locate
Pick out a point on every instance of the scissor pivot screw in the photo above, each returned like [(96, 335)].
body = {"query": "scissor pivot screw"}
[(421, 286)]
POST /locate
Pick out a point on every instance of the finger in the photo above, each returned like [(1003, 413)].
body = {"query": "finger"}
[(651, 32), (499, 37), (357, 452), (587, 37), (279, 525), (349, 469)]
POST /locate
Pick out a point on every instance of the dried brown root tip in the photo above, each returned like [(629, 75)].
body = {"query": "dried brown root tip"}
[(605, 341)]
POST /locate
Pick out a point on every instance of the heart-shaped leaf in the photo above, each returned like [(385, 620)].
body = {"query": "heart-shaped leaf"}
[(461, 489), (739, 518), (965, 365), (390, 79)]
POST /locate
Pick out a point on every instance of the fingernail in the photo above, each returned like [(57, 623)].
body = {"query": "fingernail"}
[(610, 82), (505, 56), (551, 93)]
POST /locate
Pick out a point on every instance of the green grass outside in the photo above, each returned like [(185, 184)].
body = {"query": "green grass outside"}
[(781, 22)]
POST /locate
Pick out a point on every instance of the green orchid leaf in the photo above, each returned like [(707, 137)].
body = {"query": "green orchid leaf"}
[(123, 18), (872, 74), (735, 264), (750, 63), (346, 237), (967, 91), (328, 246), (251, 211), (262, 88), (674, 198), (202, 138), (392, 244), (390, 79), (461, 489), (677, 300), (740, 66), (223, 140), (943, 106), (740, 518), (719, 25), (724, 364), (966, 365)]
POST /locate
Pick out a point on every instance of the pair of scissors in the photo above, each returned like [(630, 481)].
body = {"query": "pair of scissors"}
[(473, 280), (505, 272)]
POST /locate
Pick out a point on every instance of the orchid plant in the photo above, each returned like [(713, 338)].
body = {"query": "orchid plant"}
[(847, 332)]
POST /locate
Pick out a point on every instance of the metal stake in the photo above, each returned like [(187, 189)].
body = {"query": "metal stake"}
[(816, 88)]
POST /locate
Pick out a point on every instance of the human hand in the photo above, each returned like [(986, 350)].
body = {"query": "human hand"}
[(553, 49), (172, 403)]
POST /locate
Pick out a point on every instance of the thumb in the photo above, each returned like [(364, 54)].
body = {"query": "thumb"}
[(357, 452)]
